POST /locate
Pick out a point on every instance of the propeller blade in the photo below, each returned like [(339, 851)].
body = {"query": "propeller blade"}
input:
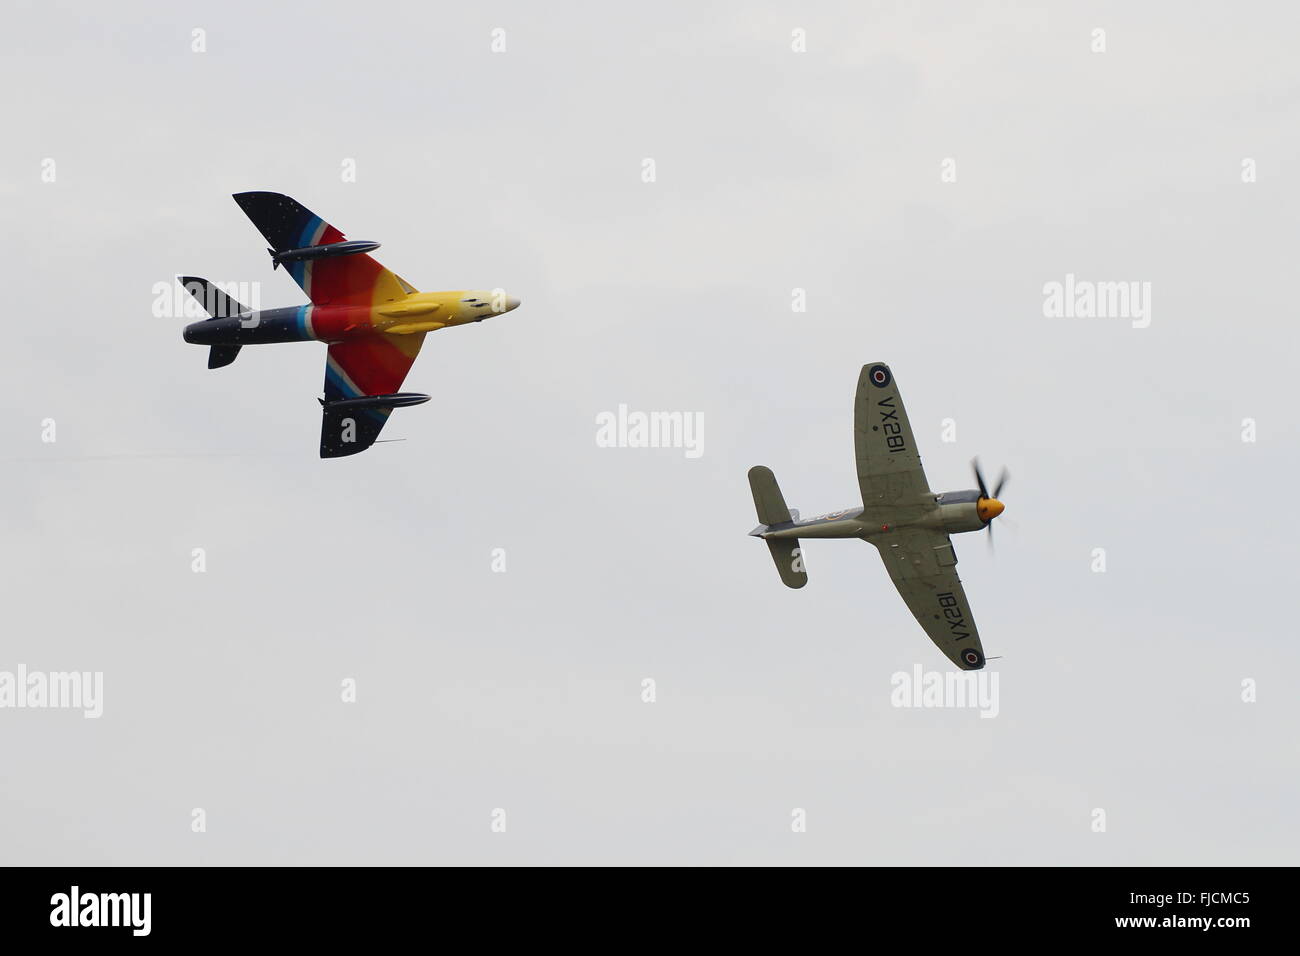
[(979, 477), (989, 527), (1002, 483)]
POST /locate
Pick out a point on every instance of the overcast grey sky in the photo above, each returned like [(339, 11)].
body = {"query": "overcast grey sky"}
[(775, 170)]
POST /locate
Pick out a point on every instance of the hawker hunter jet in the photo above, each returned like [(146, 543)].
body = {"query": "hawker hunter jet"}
[(373, 321), (908, 523)]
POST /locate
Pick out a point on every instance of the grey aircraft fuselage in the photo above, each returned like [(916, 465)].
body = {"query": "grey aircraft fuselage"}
[(952, 512)]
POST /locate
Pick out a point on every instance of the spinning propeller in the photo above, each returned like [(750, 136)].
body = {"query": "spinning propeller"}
[(989, 506)]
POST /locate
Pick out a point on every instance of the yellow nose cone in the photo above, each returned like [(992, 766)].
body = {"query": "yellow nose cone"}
[(989, 508)]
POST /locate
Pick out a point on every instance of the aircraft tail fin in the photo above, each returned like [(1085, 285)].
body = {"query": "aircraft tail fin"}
[(772, 510), (218, 305)]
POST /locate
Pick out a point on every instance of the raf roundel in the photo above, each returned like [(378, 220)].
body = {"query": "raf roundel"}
[(879, 376), (972, 657)]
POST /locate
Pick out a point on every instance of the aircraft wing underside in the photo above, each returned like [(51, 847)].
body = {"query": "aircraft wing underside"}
[(369, 365), (922, 564), (889, 468), (342, 280)]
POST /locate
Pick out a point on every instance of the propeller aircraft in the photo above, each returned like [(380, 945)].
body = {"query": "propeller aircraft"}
[(907, 522)]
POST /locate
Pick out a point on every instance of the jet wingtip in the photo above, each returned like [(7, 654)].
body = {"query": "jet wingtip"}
[(255, 195)]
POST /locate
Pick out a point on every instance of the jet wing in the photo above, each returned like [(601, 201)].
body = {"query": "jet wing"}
[(889, 468), (922, 565), (337, 280), (373, 364)]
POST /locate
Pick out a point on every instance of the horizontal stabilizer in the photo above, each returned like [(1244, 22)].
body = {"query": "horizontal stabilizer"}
[(771, 507), (216, 303), (222, 355), (789, 561), (768, 500)]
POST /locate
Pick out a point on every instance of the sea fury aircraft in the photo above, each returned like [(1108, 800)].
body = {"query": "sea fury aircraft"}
[(372, 320), (908, 523)]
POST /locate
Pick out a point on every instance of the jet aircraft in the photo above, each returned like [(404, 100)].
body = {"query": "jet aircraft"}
[(908, 523), (373, 321)]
